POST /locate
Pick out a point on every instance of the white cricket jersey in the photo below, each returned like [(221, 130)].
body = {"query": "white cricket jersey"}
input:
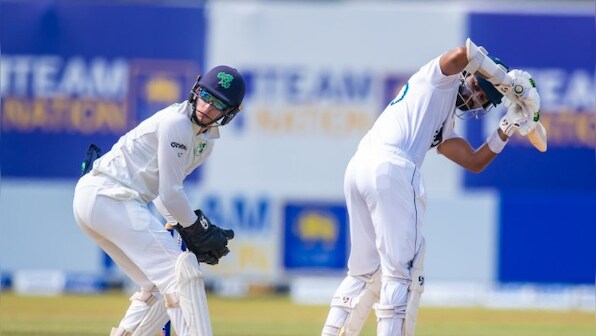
[(420, 116), (154, 158)]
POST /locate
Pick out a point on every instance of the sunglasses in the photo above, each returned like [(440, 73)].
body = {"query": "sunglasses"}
[(211, 99)]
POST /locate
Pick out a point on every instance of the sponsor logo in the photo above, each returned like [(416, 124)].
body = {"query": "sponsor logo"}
[(56, 94), (437, 137), (204, 222), (298, 100), (314, 226), (178, 145)]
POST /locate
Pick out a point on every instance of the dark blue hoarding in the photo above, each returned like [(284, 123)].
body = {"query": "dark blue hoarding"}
[(75, 73), (315, 237), (547, 238), (547, 200), (560, 52)]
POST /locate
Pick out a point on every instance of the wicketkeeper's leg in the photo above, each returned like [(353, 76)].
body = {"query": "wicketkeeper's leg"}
[(187, 306), (145, 315)]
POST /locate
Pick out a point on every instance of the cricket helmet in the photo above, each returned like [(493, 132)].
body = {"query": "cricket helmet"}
[(224, 83), (493, 95)]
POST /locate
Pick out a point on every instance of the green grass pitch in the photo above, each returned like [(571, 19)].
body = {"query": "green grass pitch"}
[(264, 315)]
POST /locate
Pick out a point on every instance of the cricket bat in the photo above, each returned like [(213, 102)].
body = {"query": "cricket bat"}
[(537, 136)]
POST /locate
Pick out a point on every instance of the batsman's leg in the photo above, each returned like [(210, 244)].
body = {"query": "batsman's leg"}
[(398, 306), (351, 305), (391, 310), (415, 290)]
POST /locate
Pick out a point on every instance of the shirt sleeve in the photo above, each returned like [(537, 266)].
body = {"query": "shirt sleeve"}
[(163, 211), (175, 144), (432, 72)]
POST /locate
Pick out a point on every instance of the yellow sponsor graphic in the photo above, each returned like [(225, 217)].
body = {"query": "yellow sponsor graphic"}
[(335, 121), (162, 90), (566, 129), (60, 114), (247, 258), (314, 227)]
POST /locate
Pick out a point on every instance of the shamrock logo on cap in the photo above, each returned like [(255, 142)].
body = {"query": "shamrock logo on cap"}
[(225, 79)]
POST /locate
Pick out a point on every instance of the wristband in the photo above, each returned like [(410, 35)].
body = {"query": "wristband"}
[(495, 143)]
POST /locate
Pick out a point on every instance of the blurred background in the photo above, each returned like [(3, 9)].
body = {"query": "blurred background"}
[(521, 234)]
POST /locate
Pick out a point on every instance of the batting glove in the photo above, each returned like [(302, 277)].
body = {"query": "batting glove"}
[(512, 120), (524, 87)]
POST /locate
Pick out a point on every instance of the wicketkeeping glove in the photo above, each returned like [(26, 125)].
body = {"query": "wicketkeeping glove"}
[(206, 240)]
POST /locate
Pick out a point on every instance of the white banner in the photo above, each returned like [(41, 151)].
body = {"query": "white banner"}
[(318, 76)]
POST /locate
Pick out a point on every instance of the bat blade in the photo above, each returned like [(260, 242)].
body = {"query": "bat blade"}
[(537, 137)]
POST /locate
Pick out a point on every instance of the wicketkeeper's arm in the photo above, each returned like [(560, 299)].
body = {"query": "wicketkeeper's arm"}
[(161, 208), (206, 240)]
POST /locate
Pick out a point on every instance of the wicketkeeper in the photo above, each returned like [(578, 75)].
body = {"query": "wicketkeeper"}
[(149, 164)]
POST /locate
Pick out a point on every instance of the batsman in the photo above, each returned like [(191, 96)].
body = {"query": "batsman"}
[(149, 164), (384, 189)]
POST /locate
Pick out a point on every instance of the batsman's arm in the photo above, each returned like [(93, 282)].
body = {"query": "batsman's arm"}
[(454, 61), (461, 152), (472, 59), (511, 87)]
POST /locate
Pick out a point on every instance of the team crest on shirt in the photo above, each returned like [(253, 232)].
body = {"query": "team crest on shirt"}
[(200, 148)]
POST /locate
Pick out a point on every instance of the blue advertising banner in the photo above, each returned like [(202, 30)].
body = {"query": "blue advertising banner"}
[(547, 238), (559, 51), (76, 73), (315, 237), (547, 199)]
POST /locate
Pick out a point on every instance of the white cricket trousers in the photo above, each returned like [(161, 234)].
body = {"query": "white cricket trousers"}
[(386, 202), (122, 225)]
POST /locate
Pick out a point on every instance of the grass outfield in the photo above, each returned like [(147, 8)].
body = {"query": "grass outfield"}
[(74, 315)]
